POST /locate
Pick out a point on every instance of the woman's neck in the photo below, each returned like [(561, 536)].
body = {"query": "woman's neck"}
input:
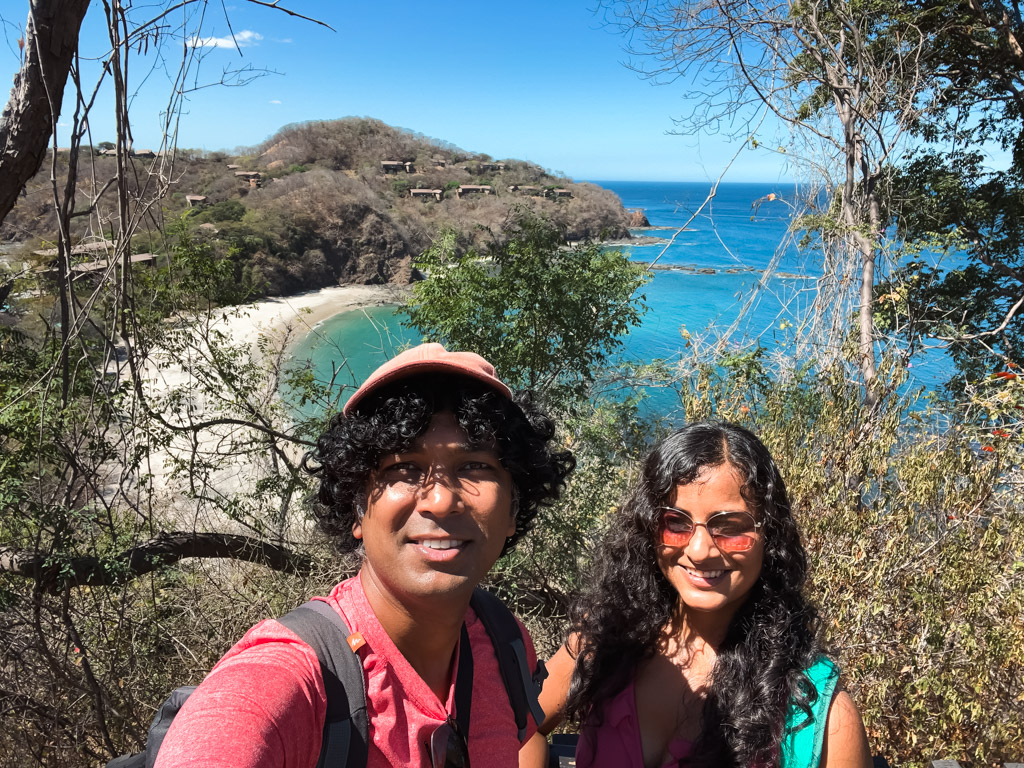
[(700, 629)]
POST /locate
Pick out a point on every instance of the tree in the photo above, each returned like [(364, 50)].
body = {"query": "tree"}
[(107, 479), (954, 200), (845, 77), (547, 315), (28, 121)]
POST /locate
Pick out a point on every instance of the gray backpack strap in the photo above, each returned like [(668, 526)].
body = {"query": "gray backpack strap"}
[(346, 728), (521, 683)]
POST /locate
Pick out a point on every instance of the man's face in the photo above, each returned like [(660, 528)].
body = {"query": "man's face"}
[(437, 516)]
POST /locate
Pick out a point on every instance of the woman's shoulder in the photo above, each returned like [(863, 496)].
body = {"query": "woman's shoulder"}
[(804, 739), (822, 670)]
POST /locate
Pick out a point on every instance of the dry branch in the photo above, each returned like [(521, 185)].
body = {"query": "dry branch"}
[(55, 574)]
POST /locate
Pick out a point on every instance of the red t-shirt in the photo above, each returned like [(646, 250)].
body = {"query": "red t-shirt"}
[(263, 704)]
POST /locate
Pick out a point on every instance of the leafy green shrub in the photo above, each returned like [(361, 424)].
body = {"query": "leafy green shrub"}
[(500, 306), (225, 210), (401, 187)]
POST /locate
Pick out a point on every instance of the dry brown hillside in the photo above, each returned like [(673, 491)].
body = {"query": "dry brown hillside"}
[(351, 200)]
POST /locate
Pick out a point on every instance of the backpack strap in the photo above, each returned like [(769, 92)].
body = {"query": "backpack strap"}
[(522, 685), (346, 727), (464, 683)]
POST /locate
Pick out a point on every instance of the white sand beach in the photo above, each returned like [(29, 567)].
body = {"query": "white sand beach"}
[(281, 318), (300, 313)]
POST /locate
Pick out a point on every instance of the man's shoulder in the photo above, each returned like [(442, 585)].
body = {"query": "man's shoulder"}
[(348, 596), (496, 617)]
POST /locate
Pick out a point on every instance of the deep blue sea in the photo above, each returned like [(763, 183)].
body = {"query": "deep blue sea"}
[(733, 239)]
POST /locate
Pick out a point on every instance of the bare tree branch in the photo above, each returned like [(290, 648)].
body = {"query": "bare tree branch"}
[(56, 574), (991, 332)]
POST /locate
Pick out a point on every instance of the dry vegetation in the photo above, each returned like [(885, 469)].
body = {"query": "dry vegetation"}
[(325, 211)]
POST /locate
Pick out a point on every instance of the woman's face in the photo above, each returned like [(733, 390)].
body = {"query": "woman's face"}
[(706, 578)]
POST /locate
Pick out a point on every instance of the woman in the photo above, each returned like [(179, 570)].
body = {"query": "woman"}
[(695, 644)]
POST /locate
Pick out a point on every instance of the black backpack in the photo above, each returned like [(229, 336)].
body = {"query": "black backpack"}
[(346, 728)]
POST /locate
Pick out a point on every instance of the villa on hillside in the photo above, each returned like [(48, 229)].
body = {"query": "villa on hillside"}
[(559, 192), (78, 250), (396, 166), (427, 194), (194, 200), (255, 178), (499, 167), (145, 153), (528, 189), (475, 189)]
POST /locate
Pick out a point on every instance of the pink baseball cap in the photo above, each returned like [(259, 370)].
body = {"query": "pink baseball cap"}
[(429, 358)]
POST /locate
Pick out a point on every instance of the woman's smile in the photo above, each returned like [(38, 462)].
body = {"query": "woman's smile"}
[(706, 578)]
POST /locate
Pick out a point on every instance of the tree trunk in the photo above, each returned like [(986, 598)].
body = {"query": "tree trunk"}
[(28, 120), (859, 205), (869, 248)]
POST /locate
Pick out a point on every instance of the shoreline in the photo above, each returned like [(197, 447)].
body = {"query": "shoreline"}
[(257, 328), (298, 315)]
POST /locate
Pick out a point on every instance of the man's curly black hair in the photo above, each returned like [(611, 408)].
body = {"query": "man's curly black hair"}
[(390, 420)]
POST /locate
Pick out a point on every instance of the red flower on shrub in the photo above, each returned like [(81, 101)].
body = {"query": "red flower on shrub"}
[(988, 448), (1004, 375), (1000, 433)]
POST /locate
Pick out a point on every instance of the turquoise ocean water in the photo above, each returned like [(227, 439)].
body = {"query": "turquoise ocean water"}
[(733, 240)]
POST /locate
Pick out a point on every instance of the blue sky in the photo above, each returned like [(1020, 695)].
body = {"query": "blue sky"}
[(538, 81)]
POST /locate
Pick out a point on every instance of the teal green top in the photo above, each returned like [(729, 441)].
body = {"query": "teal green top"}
[(804, 737)]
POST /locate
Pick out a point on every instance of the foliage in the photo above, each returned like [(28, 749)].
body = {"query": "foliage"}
[(956, 197), (541, 575), (914, 526), (401, 187), (195, 437), (548, 316), (224, 210), (972, 302)]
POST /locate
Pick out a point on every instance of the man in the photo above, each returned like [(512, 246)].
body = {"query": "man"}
[(432, 471)]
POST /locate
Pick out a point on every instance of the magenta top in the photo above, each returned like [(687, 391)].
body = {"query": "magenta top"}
[(616, 742)]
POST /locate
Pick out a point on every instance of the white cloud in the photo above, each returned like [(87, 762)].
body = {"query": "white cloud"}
[(242, 39), (275, 101)]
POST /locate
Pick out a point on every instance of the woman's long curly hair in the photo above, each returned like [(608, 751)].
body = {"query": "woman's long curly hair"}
[(390, 420), (772, 638)]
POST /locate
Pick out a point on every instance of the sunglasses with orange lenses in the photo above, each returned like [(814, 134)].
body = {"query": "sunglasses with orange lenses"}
[(731, 531)]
